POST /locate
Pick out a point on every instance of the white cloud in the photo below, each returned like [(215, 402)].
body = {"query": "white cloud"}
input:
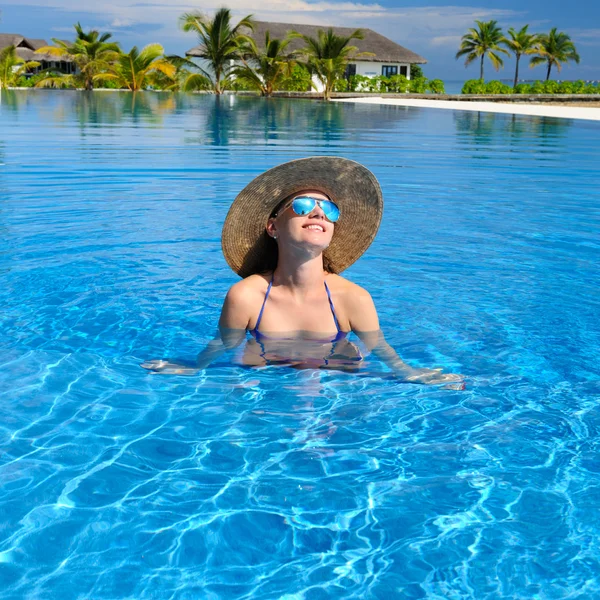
[(446, 40), (418, 28), (118, 23), (585, 37), (432, 31)]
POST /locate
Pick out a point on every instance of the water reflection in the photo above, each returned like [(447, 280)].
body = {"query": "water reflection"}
[(481, 127), (211, 120), (90, 109), (9, 99)]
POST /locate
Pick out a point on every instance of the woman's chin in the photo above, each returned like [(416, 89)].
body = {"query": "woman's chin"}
[(316, 240)]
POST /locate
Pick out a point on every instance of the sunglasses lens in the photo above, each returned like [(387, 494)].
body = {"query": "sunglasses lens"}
[(303, 205), (330, 210)]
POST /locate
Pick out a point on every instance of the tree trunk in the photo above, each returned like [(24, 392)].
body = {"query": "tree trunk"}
[(548, 72), (516, 72), (217, 82), (481, 68)]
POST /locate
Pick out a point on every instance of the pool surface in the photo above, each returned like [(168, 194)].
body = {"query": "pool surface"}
[(279, 483)]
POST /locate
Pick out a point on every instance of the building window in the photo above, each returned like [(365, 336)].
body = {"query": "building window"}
[(388, 71), (404, 71)]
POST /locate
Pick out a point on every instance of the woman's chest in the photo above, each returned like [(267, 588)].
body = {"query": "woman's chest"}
[(281, 314)]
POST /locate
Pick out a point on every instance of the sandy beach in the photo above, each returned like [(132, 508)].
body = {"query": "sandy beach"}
[(512, 108)]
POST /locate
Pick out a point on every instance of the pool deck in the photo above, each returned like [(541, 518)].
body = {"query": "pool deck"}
[(509, 108)]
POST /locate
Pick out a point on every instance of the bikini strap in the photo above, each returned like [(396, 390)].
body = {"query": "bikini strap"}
[(332, 307), (262, 308)]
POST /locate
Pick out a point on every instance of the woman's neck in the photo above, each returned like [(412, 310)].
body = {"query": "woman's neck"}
[(301, 277)]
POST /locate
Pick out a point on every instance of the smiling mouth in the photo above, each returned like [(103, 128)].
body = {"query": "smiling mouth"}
[(315, 227)]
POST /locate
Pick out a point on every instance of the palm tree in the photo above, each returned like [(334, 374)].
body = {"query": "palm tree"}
[(219, 42), (480, 42), (91, 52), (520, 42), (189, 77), (554, 49), (264, 69), (132, 71), (327, 55), (12, 66)]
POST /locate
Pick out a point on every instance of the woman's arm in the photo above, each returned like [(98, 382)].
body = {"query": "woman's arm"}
[(231, 333), (365, 323)]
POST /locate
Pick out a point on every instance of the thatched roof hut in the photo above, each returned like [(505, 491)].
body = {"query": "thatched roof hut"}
[(383, 49), (26, 47)]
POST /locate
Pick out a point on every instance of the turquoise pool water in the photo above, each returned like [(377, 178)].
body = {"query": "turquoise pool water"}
[(276, 483)]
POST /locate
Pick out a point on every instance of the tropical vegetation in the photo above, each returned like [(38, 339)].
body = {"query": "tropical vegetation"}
[(234, 60), (398, 84), (519, 43), (264, 70), (220, 43), (12, 66), (485, 40), (132, 71), (554, 48), (326, 56), (92, 53), (476, 86)]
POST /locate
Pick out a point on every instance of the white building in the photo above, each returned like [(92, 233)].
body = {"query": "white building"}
[(386, 57)]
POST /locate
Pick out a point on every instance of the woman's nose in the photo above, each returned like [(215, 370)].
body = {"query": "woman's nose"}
[(317, 213)]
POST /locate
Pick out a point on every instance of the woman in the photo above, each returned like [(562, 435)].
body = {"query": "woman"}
[(288, 234)]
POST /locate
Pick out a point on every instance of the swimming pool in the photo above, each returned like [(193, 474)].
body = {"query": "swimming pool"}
[(276, 483)]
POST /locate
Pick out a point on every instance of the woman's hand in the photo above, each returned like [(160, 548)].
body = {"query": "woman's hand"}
[(168, 368), (431, 377)]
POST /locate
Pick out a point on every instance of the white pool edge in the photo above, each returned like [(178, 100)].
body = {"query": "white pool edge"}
[(510, 108)]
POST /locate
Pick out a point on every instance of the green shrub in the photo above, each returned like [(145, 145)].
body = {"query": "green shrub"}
[(33, 79), (538, 87), (418, 86), (497, 87), (340, 85), (375, 84), (240, 85), (473, 86), (355, 83), (590, 88), (300, 80), (564, 87), (551, 87), (436, 86), (416, 72), (24, 82), (398, 84), (522, 88)]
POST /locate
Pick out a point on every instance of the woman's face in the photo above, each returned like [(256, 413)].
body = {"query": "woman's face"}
[(312, 230)]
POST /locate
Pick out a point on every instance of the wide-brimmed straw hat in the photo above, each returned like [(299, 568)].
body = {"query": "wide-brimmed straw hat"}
[(351, 186)]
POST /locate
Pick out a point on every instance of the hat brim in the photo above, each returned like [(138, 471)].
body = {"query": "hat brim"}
[(349, 184)]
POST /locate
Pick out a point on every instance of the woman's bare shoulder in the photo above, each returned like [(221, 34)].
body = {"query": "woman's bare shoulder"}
[(246, 289), (342, 286)]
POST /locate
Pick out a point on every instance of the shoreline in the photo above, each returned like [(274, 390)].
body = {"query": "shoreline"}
[(562, 106), (561, 110)]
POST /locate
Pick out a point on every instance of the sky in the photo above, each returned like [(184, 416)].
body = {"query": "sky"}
[(431, 29)]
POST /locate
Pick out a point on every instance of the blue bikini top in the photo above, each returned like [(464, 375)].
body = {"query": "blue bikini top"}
[(339, 336)]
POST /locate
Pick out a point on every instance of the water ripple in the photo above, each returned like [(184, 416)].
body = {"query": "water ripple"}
[(280, 483)]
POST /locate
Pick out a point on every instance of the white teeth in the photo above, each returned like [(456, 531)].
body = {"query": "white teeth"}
[(315, 227)]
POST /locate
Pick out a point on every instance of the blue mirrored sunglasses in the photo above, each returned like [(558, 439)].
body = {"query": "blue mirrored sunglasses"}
[(304, 205)]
